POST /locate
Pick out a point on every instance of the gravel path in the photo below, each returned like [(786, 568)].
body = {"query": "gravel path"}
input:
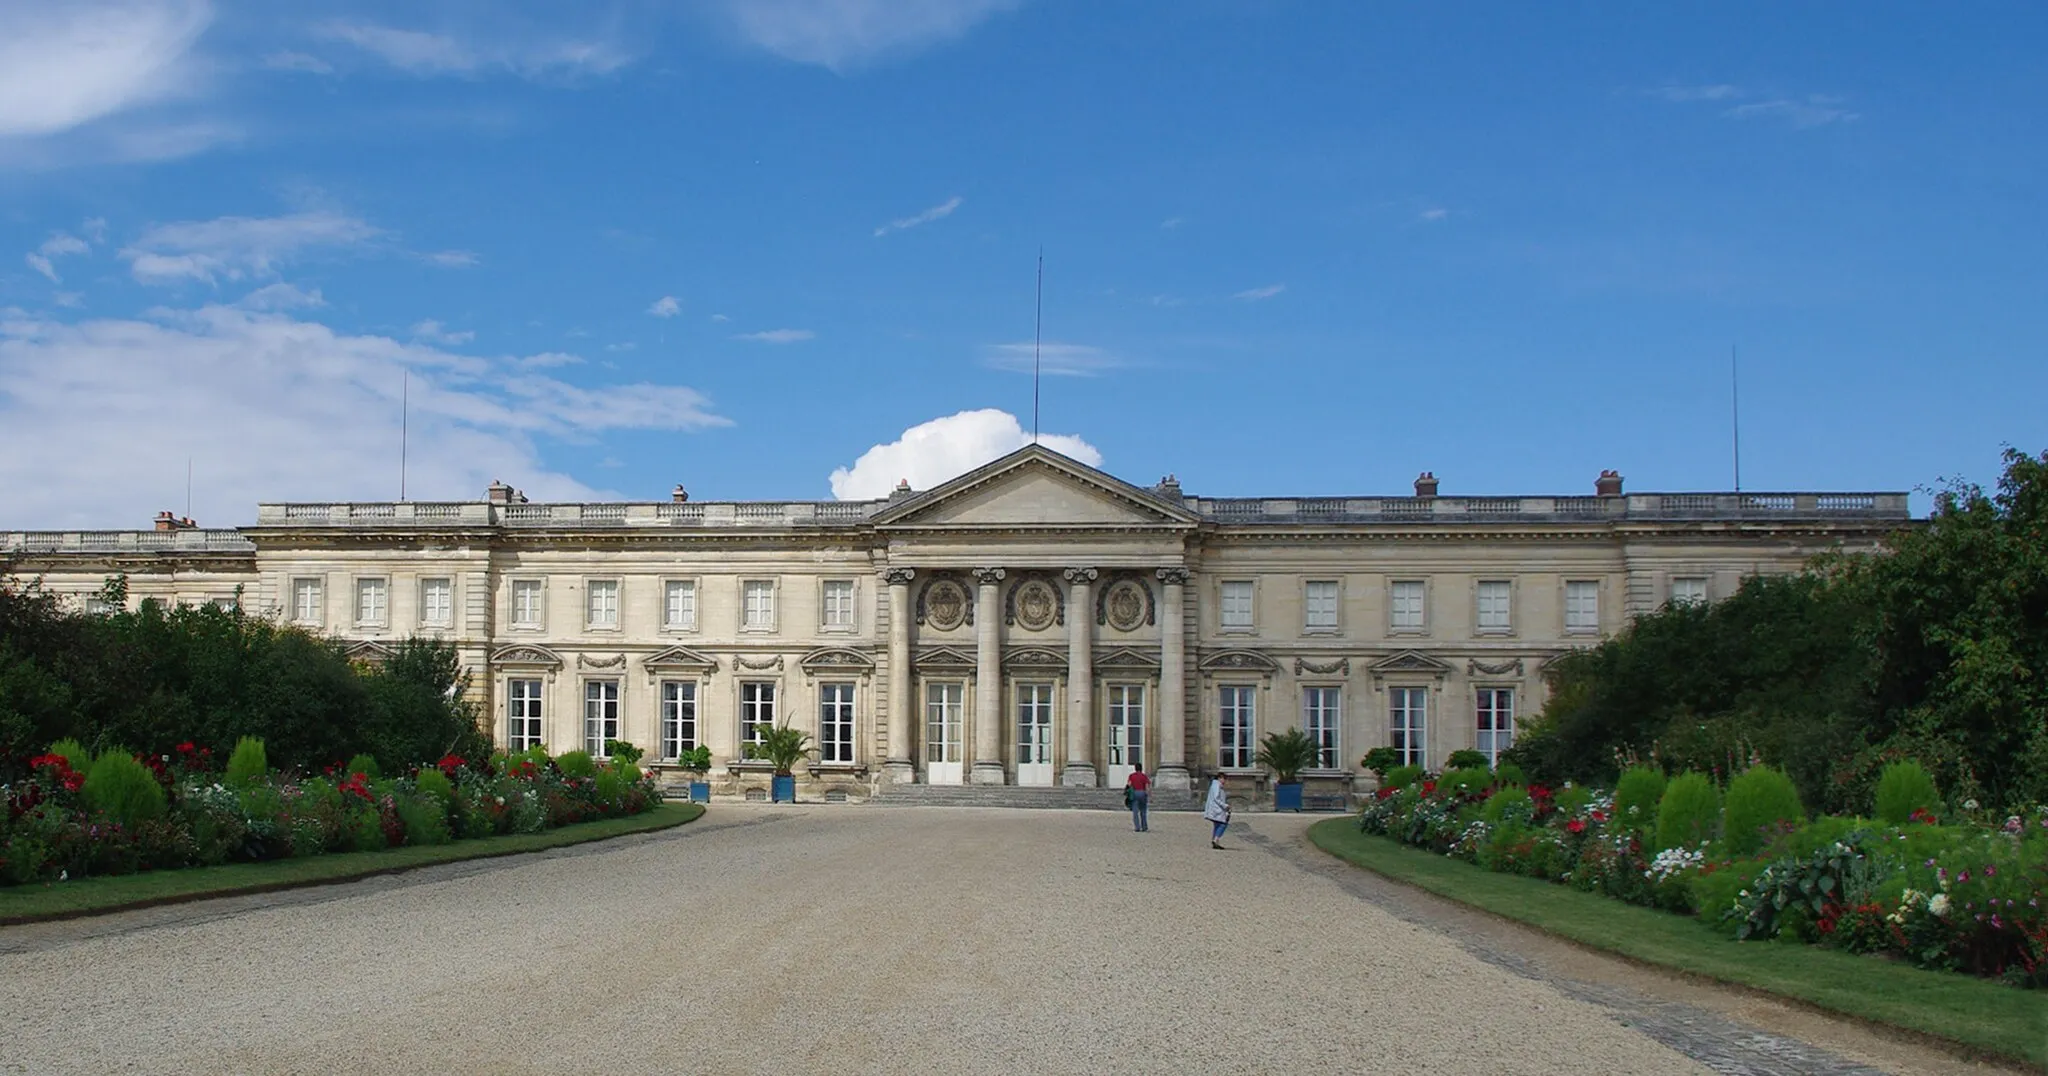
[(810, 939)]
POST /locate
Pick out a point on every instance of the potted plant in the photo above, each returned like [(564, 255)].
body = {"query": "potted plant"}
[(696, 761), (783, 747), (1287, 754)]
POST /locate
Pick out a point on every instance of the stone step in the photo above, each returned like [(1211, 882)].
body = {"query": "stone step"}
[(1072, 799)]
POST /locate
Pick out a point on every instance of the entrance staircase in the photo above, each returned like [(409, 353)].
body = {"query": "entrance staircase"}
[(1071, 799)]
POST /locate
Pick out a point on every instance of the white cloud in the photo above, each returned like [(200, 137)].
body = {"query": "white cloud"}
[(451, 259), (282, 296), (778, 336), (292, 410), (1054, 360), (42, 265), (1817, 110), (844, 34), (42, 260), (64, 65), (665, 307), (628, 345), (1435, 213), (434, 333), (548, 359), (1253, 295), (297, 61), (1171, 223), (1719, 91), (238, 247), (69, 299), (938, 212), (418, 52), (945, 448)]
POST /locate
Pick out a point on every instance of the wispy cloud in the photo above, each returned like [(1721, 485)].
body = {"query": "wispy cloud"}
[(298, 61), (1171, 223), (1053, 360), (1816, 110), (1719, 91), (938, 212), (450, 259), (841, 35), (1434, 214), (1165, 300), (1253, 295), (433, 332), (720, 317), (419, 52), (42, 259), (665, 307), (281, 296), (236, 247), (778, 336)]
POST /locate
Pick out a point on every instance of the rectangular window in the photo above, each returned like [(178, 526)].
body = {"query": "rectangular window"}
[(1238, 721), (679, 605), (97, 606), (1404, 606), (942, 711), (601, 603), (600, 715), (437, 603), (1126, 724), (1408, 724), (1689, 590), (1496, 721), (838, 604), (757, 605), (1319, 605), (226, 605), (678, 717), (372, 601), (522, 710), (306, 601), (1582, 606), (1493, 605), (526, 607), (1322, 714), (835, 722), (1237, 604), (757, 711)]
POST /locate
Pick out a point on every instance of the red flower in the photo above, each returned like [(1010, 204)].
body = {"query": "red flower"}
[(1575, 826)]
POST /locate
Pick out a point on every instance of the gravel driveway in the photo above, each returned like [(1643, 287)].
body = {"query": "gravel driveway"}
[(807, 939)]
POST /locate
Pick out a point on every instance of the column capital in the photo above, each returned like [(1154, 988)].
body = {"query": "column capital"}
[(1174, 577), (989, 577), (1078, 576), (898, 576)]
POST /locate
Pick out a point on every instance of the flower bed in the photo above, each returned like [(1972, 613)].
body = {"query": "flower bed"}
[(1966, 896), (62, 822)]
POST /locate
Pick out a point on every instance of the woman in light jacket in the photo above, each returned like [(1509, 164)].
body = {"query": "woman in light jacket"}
[(1217, 810)]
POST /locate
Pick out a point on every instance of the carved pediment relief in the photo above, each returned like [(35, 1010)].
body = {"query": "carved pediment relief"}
[(1034, 487), (528, 655), (595, 661), (1035, 658), (1128, 658), (1411, 661), (1476, 667), (944, 657), (681, 659), (1240, 661), (1339, 667), (373, 652), (836, 657)]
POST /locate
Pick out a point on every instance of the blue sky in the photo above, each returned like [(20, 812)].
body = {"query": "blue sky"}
[(785, 248)]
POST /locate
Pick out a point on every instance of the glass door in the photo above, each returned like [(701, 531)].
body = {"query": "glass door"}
[(1126, 732), (942, 720), (1034, 734)]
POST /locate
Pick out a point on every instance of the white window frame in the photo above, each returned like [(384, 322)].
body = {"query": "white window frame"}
[(601, 713), (842, 619), (373, 614), (1125, 700), (515, 615), (1580, 618), (1408, 723), (1322, 717), (1695, 586), (1493, 621), (1493, 720), (680, 730), (945, 707), (758, 699), (836, 721), (95, 605), (524, 704), (1245, 620), (679, 615), (1237, 725), (309, 612), (428, 619), (1402, 620), (1329, 619), (602, 616), (767, 619)]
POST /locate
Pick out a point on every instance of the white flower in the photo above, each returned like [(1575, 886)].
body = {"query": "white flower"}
[(1969, 805), (1939, 905)]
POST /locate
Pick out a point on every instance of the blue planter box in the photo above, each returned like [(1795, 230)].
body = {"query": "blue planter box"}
[(700, 792), (784, 789), (1287, 797)]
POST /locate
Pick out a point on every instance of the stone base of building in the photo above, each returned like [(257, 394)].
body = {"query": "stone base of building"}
[(1078, 775), (1173, 779), (899, 771), (986, 773)]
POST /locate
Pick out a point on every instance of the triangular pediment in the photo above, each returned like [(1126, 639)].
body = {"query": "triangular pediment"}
[(680, 659), (1124, 657), (944, 657), (1034, 657), (836, 657), (1410, 661), (1035, 487), (539, 656), (373, 652)]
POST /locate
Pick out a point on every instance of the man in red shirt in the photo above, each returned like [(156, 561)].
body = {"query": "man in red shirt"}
[(1137, 795)]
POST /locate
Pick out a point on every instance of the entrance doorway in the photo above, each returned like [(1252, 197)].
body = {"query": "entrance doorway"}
[(1034, 734), (942, 723), (1126, 732)]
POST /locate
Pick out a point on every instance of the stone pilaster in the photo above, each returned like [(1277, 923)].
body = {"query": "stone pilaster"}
[(898, 768), (1080, 770), (1173, 727), (988, 678)]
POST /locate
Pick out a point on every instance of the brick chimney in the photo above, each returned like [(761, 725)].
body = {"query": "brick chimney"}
[(679, 494), (170, 521), (500, 493), (1609, 484), (1425, 484), (901, 491), (1168, 488)]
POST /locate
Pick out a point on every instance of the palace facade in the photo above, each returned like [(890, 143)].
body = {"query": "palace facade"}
[(1033, 622)]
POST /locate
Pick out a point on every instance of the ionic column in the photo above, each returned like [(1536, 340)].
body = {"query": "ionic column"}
[(898, 768), (1080, 769), (988, 679), (1173, 744)]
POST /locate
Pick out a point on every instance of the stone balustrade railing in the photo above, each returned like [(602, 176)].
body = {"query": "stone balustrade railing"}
[(152, 541), (1633, 506)]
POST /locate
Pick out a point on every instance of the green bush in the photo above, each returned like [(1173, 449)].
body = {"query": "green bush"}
[(1686, 814), (424, 817), (1507, 774), (436, 784), (1468, 759), (1761, 803), (74, 753), (1903, 788), (1509, 805), (248, 764), (612, 786), (1381, 761), (364, 764), (1466, 782), (1637, 796), (123, 789), (623, 751), (1714, 892), (577, 764)]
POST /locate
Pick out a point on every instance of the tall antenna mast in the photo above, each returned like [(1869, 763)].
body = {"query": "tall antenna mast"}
[(188, 487), (1037, 332), (404, 421), (1735, 414)]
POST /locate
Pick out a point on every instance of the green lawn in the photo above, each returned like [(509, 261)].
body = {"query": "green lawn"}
[(90, 896), (1986, 1016)]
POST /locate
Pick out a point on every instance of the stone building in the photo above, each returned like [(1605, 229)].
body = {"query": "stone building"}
[(1033, 622)]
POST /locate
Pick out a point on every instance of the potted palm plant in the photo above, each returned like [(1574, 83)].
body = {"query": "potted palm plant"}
[(783, 747), (697, 761), (1287, 754)]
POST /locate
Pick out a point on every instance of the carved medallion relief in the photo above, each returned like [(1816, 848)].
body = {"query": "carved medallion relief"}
[(944, 604), (1036, 604)]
